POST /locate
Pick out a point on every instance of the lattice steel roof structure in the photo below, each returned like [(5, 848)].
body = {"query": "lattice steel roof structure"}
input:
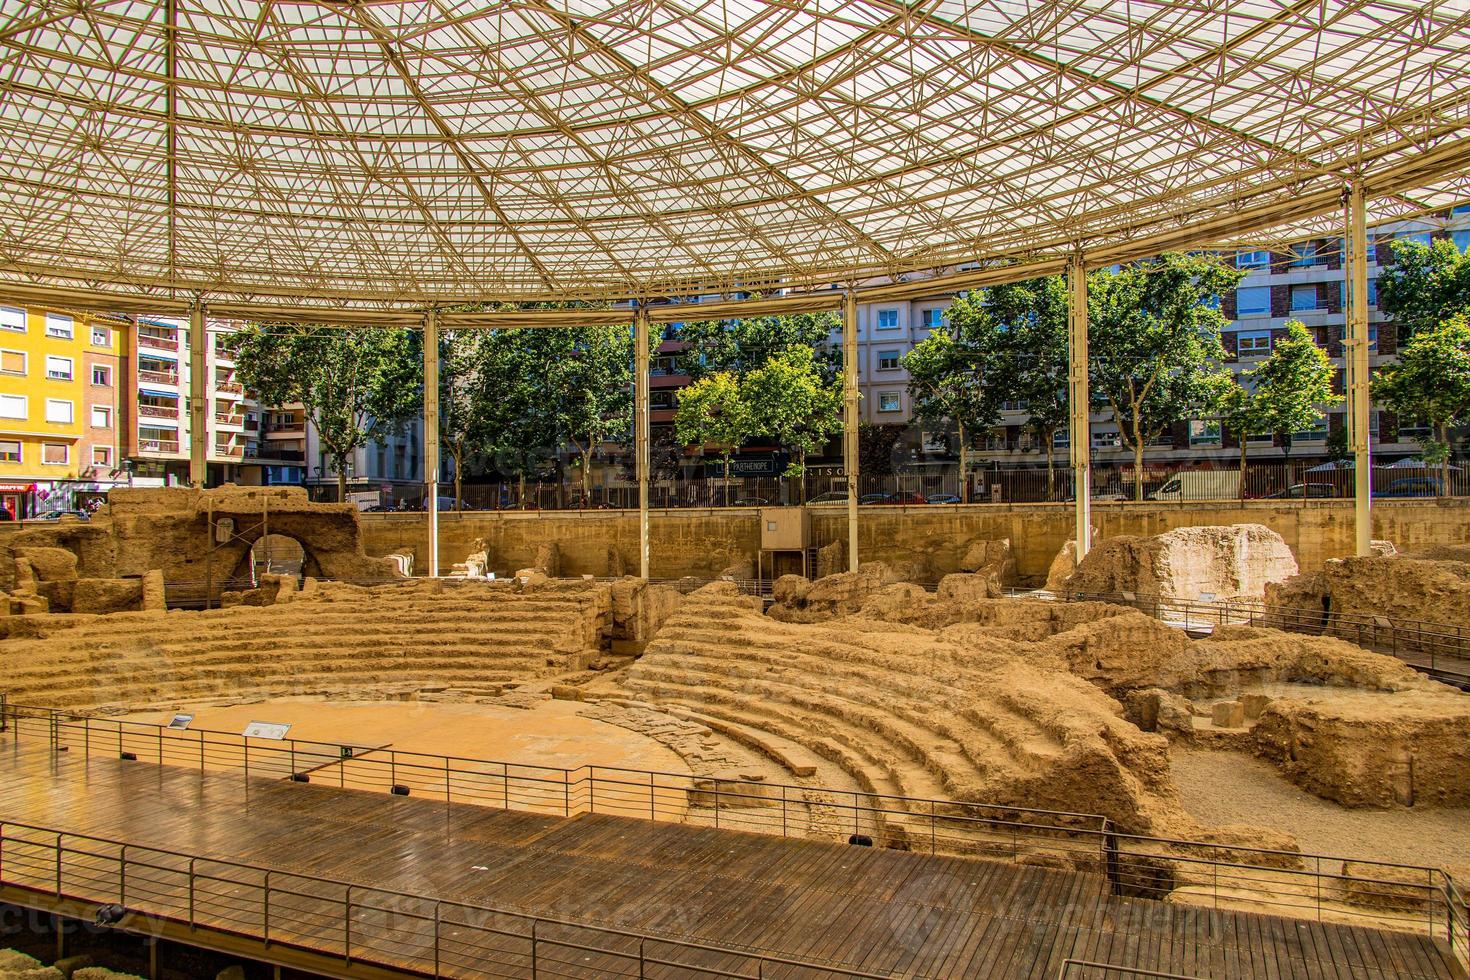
[(390, 154)]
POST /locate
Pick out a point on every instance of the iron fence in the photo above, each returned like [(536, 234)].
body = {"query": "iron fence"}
[(1417, 899)]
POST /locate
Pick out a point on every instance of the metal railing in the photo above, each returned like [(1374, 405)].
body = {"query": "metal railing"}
[(1406, 898), (356, 923), (1441, 650)]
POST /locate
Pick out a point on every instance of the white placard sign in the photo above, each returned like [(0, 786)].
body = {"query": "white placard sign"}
[(180, 721), (266, 729)]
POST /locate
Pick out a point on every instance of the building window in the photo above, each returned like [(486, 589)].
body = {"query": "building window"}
[(102, 376), (1303, 298), (1460, 209), (13, 406), (58, 326), (59, 410), (1413, 429), (1253, 301), (55, 453), (1259, 439), (888, 360), (1372, 292), (12, 362), (889, 401), (1252, 344), (1258, 259), (887, 319), (1061, 439), (9, 450), (1015, 406), (1204, 433), (101, 417), (101, 336), (58, 368), (101, 456), (1106, 440), (12, 318), (1372, 335), (933, 319), (1306, 255), (1317, 433)]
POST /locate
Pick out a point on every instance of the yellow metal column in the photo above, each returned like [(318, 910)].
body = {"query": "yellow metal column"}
[(641, 433), (198, 399), (431, 434), (850, 422), (1079, 399), (1356, 350)]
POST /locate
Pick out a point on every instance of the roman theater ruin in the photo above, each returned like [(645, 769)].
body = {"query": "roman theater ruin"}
[(246, 733)]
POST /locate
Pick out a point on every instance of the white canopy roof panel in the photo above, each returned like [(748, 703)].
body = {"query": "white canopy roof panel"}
[(390, 152)]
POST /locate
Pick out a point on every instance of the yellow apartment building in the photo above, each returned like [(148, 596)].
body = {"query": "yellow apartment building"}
[(59, 378)]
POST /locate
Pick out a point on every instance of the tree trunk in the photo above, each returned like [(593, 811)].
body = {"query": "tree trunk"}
[(1051, 473), (1137, 467), (801, 480), (1240, 492), (964, 466), (521, 491), (341, 482), (1444, 464), (587, 475), (458, 456), (727, 480)]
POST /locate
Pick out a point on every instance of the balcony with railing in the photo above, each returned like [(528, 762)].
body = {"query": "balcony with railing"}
[(229, 388), (158, 445), (159, 411), (234, 420), (158, 377), (158, 342), (227, 450)]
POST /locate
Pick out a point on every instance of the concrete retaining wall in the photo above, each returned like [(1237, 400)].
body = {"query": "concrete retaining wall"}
[(702, 542)]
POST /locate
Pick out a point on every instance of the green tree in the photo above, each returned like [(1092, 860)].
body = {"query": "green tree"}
[(1293, 386), (1426, 285), (589, 376), (792, 403), (1240, 414), (1033, 316), (946, 387), (353, 384), (742, 346), (1154, 343), (511, 427), (713, 412), (1431, 381)]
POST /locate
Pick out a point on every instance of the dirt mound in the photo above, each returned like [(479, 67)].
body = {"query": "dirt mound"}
[(798, 600), (1220, 562)]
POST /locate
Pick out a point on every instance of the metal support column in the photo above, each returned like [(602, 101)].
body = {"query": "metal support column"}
[(1079, 401), (431, 434), (198, 399), (850, 422), (641, 432), (1356, 344)]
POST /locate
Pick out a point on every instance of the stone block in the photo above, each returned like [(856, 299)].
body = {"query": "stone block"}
[(1227, 714)]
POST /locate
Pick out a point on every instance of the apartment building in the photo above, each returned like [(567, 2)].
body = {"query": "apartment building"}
[(58, 409), (391, 466)]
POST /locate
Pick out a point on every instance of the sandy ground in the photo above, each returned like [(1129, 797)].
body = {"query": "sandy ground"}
[(550, 734), (1228, 787)]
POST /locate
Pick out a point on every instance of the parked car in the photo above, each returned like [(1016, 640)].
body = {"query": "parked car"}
[(943, 498), (1200, 485), (1308, 490), (904, 497), (830, 497), (751, 502), (1413, 486), (873, 498), (57, 515)]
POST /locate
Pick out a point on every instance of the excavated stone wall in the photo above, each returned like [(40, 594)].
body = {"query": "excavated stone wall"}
[(1405, 588), (168, 530), (1230, 562)]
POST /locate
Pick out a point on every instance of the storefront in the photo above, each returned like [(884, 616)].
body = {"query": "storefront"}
[(18, 500)]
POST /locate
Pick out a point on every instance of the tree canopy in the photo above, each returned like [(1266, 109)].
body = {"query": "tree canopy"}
[(713, 411), (793, 404), (1155, 356), (1431, 381), (1426, 286), (353, 385), (742, 346)]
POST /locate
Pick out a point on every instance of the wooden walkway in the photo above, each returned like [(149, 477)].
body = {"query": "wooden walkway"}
[(873, 910)]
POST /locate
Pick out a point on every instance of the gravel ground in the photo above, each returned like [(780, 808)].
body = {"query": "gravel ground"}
[(1228, 787)]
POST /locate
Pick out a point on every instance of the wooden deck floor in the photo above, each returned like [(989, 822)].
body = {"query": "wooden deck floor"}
[(861, 908)]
